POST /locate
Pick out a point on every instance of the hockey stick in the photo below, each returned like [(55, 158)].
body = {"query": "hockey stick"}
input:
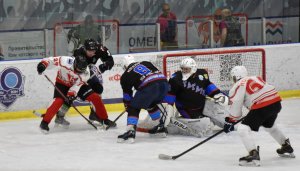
[(115, 119), (167, 157), (68, 101)]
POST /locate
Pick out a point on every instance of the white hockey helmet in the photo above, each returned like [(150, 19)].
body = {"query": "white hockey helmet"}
[(238, 72), (188, 63), (127, 60)]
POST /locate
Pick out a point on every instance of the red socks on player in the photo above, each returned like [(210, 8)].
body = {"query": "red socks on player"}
[(97, 102), (53, 109)]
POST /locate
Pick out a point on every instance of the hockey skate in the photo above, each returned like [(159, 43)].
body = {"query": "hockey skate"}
[(99, 122), (286, 150), (44, 127), (160, 130), (128, 136), (61, 121), (252, 159)]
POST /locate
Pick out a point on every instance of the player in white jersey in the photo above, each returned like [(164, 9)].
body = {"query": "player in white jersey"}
[(71, 80), (264, 104)]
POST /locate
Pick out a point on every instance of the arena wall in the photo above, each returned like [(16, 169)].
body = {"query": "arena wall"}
[(34, 92)]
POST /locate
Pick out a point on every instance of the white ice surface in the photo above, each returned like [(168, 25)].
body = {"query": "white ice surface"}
[(81, 147)]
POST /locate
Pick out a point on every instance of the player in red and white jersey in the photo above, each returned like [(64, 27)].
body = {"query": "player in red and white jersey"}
[(71, 80), (264, 104)]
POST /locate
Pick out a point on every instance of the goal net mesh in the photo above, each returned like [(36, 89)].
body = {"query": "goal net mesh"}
[(218, 63)]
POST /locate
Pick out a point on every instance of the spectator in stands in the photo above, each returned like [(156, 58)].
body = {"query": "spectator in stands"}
[(87, 30), (231, 32), (1, 53), (203, 29), (168, 28), (11, 12), (2, 11), (133, 14)]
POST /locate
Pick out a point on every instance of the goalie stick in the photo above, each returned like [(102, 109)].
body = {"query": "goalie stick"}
[(71, 103), (168, 157)]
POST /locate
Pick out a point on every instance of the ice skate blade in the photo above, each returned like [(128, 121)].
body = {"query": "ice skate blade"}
[(159, 135), (287, 155), (44, 131), (96, 123), (57, 125), (128, 141), (253, 163)]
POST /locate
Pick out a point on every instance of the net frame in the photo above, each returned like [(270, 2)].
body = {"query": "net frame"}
[(214, 56), (59, 27)]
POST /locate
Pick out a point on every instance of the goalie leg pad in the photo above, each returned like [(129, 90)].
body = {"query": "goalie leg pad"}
[(215, 112), (191, 127)]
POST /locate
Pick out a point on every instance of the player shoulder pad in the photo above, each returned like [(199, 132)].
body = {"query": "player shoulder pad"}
[(176, 74), (202, 74), (66, 61)]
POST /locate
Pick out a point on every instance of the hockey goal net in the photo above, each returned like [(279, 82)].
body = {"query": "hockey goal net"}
[(218, 63), (199, 29), (65, 40)]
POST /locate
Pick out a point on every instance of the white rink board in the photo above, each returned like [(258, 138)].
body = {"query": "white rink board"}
[(282, 70)]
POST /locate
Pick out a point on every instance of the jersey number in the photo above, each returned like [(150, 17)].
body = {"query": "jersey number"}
[(141, 69), (255, 85)]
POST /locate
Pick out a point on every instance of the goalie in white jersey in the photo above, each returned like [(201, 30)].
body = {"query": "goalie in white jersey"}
[(264, 104), (71, 80)]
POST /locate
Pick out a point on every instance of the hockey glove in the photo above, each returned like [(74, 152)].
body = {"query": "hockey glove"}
[(71, 97), (228, 125), (41, 68), (221, 99), (102, 68)]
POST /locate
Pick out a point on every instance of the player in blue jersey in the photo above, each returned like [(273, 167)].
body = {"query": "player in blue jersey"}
[(151, 87)]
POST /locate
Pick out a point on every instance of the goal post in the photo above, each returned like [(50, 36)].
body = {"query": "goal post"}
[(218, 63), (65, 41)]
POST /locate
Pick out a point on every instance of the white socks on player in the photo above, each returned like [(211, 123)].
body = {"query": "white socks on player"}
[(276, 134), (245, 134)]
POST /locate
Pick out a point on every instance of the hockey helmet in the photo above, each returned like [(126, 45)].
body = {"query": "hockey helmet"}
[(238, 72), (188, 67), (127, 60), (80, 63), (90, 44)]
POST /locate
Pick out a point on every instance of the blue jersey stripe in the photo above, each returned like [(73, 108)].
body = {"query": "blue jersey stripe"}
[(211, 88), (170, 99), (132, 120), (155, 115)]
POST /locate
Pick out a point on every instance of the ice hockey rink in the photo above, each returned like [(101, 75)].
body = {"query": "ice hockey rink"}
[(81, 147)]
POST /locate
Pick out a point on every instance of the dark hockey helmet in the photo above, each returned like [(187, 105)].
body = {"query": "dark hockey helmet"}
[(90, 44), (80, 64)]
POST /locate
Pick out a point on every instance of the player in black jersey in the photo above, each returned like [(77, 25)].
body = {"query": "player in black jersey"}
[(151, 87), (189, 90), (93, 51)]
